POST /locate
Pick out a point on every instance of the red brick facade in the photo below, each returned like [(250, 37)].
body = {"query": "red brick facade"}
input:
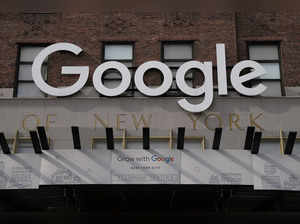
[(147, 30)]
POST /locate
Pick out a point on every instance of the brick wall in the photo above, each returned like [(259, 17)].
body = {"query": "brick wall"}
[(283, 27), (147, 30)]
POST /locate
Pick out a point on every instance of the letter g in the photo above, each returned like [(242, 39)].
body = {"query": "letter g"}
[(83, 71), (206, 88)]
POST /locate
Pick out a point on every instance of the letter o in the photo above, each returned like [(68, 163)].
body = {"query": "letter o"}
[(139, 78), (125, 76)]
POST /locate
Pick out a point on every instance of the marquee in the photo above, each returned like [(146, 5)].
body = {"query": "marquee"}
[(267, 171), (162, 159)]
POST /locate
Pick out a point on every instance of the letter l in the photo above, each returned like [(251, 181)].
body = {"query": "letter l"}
[(221, 69)]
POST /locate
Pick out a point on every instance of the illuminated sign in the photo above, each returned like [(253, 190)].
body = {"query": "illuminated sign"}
[(237, 81)]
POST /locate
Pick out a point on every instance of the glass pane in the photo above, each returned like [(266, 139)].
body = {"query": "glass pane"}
[(28, 54), (118, 52), (174, 85), (273, 88), (29, 90), (189, 75), (128, 64), (178, 51), (111, 74), (174, 64), (272, 69), (111, 84), (174, 72), (25, 72), (263, 52)]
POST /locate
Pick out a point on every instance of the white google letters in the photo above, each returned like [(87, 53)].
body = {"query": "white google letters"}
[(206, 68), (82, 70), (167, 81), (122, 69)]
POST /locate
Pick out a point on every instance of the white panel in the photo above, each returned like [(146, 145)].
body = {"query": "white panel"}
[(159, 144), (29, 90), (118, 52), (178, 51), (28, 54), (25, 147), (273, 171), (272, 69), (297, 147), (98, 146), (270, 147), (224, 167), (193, 144), (20, 171), (263, 52), (75, 167), (25, 72)]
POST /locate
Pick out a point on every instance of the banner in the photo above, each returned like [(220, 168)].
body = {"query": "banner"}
[(20, 171), (274, 171), (64, 167), (155, 166), (223, 167), (269, 170)]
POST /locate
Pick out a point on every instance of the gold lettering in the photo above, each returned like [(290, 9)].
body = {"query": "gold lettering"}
[(253, 121), (137, 123), (49, 121), (213, 115), (34, 116), (194, 120), (102, 122), (234, 120), (119, 121)]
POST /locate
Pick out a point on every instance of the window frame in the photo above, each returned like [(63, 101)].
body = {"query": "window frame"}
[(162, 58), (19, 63), (276, 43), (105, 43), (132, 43)]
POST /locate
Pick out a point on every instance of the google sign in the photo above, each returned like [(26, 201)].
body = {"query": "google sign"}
[(237, 81)]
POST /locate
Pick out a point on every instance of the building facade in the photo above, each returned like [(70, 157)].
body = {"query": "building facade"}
[(270, 38), (133, 38)]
